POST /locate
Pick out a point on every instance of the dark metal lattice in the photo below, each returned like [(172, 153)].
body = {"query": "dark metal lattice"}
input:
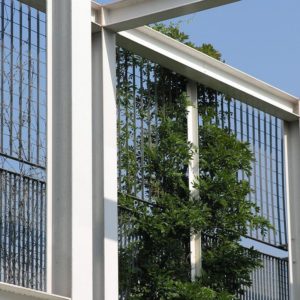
[(137, 89), (271, 282), (22, 145), (264, 133)]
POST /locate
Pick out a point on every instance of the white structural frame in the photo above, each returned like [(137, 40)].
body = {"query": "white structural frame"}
[(193, 138), (82, 249)]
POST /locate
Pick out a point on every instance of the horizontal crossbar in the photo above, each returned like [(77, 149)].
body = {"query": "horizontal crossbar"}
[(201, 68)]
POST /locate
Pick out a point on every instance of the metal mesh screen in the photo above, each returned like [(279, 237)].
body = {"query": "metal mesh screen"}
[(139, 96), (264, 133), (22, 230), (22, 144), (23, 85), (271, 282)]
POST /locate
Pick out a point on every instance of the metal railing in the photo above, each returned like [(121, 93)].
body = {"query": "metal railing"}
[(271, 282), (22, 230), (22, 145)]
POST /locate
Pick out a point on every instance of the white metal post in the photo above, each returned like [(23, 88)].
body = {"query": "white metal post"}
[(292, 175), (193, 137), (59, 148), (70, 226), (105, 166), (82, 163)]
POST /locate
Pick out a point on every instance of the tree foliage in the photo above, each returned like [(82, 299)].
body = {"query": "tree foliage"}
[(155, 260)]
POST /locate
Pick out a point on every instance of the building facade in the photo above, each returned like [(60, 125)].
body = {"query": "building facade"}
[(59, 133)]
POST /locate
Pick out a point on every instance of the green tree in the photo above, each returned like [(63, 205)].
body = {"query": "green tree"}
[(155, 264)]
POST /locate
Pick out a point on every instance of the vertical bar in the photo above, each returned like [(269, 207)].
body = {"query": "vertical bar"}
[(277, 182), (10, 240), (193, 137), (21, 81), (82, 150), (235, 116), (260, 168), (266, 175), (70, 167), (271, 180), (134, 119), (283, 188), (5, 229), (229, 114), (105, 184), (27, 228), (2, 77), (119, 107), (11, 79), (38, 92), (1, 223), (42, 247), (292, 171), (20, 216), (59, 102), (29, 86), (23, 231), (14, 228), (32, 229), (142, 128), (127, 99)]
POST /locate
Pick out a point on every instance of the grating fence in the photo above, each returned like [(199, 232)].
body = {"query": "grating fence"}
[(264, 133), (23, 87), (22, 145), (142, 96), (271, 282), (22, 230)]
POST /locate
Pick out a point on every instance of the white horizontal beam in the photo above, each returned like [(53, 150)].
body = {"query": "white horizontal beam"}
[(13, 292), (209, 71), (127, 14)]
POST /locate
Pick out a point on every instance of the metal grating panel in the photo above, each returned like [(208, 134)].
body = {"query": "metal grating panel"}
[(22, 145), (140, 95), (264, 133), (22, 230), (271, 282), (141, 98), (23, 85)]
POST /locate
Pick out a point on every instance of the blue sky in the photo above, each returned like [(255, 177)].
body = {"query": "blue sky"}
[(259, 37)]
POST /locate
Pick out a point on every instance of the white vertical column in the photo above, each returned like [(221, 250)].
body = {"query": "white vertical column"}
[(82, 164), (193, 137), (70, 226), (59, 148), (292, 175), (105, 166)]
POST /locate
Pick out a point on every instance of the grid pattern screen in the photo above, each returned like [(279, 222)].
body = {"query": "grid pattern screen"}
[(22, 145)]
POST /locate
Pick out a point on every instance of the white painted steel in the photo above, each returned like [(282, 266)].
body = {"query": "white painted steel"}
[(59, 151), (49, 185), (127, 14), (13, 292), (193, 137), (82, 163), (70, 156), (200, 67), (292, 175), (105, 166), (110, 186)]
